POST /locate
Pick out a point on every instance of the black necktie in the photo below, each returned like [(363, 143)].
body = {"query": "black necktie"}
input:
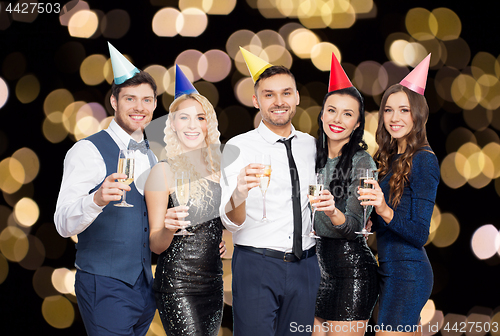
[(297, 213), (141, 146)]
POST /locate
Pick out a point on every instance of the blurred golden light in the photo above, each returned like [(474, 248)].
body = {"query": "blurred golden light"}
[(208, 90), (70, 8), (35, 256), (192, 22), (91, 69), (484, 63), (464, 91), (454, 320), (321, 55), (107, 71), (477, 320), (435, 219), (414, 53), (343, 15), (156, 327), (164, 22), (228, 238), (58, 311), (12, 175), (478, 118), (30, 163), (266, 38), (115, 24), (362, 6), (458, 53), (447, 231), (302, 42), (314, 14), (14, 243), (190, 59), (396, 52), (105, 122), (158, 73), (418, 23), (54, 132), (214, 65), (239, 38), (69, 115), (495, 319), (449, 24), (27, 89), (288, 29), (199, 4), (492, 151), (458, 137), (95, 110), (14, 66), (57, 101), (4, 92), (244, 89), (475, 164), (42, 283), (169, 80), (26, 211), (278, 54), (301, 120), (219, 7), (370, 78), (4, 268), (485, 242), (63, 280), (83, 24), (427, 312), (85, 127), (269, 9), (455, 169)]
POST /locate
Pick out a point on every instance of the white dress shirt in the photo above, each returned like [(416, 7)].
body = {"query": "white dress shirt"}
[(84, 168), (277, 232)]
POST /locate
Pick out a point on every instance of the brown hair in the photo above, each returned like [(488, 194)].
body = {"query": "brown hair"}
[(416, 139), (140, 78)]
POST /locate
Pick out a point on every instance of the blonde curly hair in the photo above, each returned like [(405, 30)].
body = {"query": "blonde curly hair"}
[(211, 153)]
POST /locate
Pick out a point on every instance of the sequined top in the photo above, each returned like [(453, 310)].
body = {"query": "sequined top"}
[(191, 264), (405, 235), (348, 204)]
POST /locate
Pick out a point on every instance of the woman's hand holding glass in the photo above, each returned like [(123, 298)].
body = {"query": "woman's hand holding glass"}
[(325, 202), (375, 197), (174, 218)]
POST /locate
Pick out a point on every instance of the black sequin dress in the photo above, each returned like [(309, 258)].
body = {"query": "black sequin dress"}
[(188, 280), (348, 289)]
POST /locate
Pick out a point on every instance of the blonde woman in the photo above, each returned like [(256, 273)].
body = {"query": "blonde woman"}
[(188, 281)]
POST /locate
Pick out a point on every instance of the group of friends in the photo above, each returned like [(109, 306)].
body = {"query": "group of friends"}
[(284, 282)]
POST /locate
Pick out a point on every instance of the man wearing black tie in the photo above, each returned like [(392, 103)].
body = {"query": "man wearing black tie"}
[(114, 280), (275, 269)]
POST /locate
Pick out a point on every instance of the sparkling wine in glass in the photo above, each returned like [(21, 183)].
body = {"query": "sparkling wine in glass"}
[(314, 191), (264, 178), (126, 164), (364, 175), (182, 188)]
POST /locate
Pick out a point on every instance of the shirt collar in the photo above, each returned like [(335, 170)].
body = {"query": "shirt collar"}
[(270, 136), (121, 134)]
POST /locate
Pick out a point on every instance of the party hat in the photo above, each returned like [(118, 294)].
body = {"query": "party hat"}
[(122, 68), (255, 64), (182, 83), (338, 77), (417, 78)]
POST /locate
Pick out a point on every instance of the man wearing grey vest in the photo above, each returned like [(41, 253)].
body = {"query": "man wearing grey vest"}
[(114, 280)]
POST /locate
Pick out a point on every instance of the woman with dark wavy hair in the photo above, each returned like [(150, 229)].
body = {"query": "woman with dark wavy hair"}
[(404, 201), (348, 289)]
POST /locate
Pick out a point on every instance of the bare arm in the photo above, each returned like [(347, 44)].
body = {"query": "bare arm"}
[(163, 222)]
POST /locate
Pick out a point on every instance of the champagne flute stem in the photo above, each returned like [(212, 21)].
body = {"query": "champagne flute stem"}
[(264, 206), (124, 196), (364, 218), (312, 219)]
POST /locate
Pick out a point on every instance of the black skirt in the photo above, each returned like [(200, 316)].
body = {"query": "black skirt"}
[(349, 287)]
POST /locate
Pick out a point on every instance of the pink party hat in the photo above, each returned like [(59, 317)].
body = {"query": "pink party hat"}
[(338, 77), (417, 78)]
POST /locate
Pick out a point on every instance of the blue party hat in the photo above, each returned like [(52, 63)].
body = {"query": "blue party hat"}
[(122, 68), (182, 83)]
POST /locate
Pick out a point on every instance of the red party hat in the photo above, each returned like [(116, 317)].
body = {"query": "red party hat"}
[(417, 78), (338, 77)]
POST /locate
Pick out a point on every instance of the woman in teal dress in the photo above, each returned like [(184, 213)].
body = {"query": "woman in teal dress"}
[(403, 200)]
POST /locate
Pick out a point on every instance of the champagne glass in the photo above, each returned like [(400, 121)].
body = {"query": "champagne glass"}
[(182, 188), (265, 178), (314, 191), (364, 175), (126, 164)]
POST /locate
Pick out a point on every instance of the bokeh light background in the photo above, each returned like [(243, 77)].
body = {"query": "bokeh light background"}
[(55, 80)]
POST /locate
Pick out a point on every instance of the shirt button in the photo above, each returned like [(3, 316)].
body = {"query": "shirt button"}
[(144, 244), (145, 229), (144, 259), (144, 213)]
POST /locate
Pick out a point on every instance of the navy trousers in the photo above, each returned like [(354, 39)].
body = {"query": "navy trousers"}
[(272, 297), (112, 307)]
